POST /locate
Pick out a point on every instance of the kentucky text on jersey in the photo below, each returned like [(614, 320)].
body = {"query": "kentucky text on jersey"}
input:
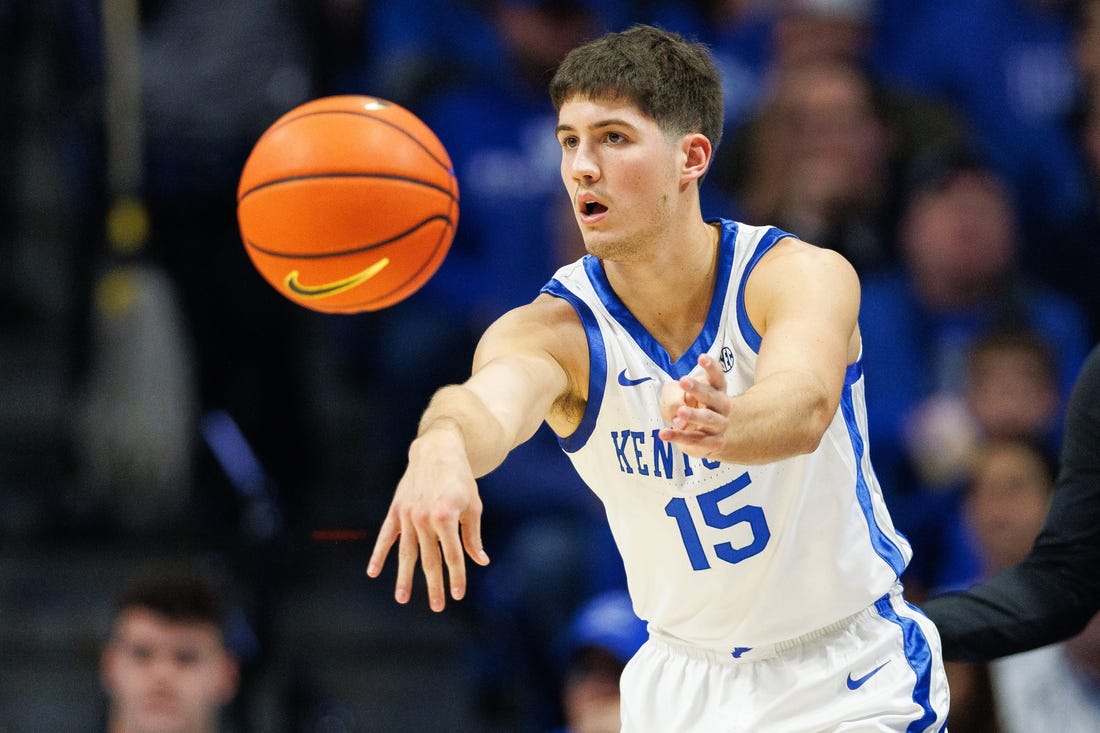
[(630, 449)]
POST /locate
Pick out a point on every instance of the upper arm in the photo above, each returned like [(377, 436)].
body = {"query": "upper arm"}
[(524, 366), (804, 301)]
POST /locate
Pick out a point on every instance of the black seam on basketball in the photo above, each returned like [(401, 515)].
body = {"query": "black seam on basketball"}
[(355, 250), (349, 174), (356, 113), (423, 266)]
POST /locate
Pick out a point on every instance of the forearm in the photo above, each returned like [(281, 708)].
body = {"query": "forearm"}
[(457, 410), (1022, 608), (779, 417)]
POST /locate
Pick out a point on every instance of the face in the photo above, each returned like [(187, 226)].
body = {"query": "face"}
[(1012, 393), (628, 181), (164, 676), (839, 148), (960, 238), (591, 694), (1007, 503)]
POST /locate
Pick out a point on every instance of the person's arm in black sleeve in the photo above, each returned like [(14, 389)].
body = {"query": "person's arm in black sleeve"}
[(1051, 594)]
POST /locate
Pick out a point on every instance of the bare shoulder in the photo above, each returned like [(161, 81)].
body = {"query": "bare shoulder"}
[(807, 287), (790, 253), (545, 324), (795, 266)]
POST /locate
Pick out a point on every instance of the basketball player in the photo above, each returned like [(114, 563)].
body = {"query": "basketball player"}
[(704, 377), (1050, 595)]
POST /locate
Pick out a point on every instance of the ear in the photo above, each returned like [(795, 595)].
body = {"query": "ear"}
[(697, 156), (229, 677), (107, 666)]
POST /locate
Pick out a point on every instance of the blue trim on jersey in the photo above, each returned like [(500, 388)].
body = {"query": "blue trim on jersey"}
[(884, 546), (919, 656), (853, 372), (597, 365), (649, 345), (766, 243)]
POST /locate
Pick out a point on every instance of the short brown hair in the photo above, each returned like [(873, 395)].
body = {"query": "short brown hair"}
[(670, 79), (180, 591)]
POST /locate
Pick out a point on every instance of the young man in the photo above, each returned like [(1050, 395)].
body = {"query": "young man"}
[(704, 377), (165, 668)]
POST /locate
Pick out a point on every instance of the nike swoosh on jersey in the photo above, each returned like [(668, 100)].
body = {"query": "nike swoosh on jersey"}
[(855, 684), (336, 286), (628, 382)]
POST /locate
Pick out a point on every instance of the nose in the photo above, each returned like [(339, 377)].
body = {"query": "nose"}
[(583, 166)]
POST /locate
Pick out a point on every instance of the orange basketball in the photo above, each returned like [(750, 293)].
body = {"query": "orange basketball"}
[(347, 204)]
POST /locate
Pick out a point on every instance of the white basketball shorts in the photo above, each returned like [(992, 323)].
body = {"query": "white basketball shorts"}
[(879, 670)]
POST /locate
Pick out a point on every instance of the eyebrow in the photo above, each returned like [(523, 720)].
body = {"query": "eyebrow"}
[(612, 122)]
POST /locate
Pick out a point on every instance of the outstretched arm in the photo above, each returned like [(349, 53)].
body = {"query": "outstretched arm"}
[(804, 301), (467, 431), (1051, 595)]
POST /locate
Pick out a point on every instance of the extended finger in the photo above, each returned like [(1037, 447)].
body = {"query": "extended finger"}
[(703, 420), (692, 442), (713, 371), (456, 563), (407, 552), (432, 565), (386, 536), (471, 537)]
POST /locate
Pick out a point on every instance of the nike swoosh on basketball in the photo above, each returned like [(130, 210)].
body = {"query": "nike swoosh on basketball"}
[(855, 684), (628, 382), (336, 286)]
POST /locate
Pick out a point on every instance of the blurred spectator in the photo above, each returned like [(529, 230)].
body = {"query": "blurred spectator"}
[(1010, 391), (166, 667), (1012, 386), (960, 280), (1007, 499), (827, 139), (1055, 687), (820, 160), (1005, 503), (1006, 66), (601, 638)]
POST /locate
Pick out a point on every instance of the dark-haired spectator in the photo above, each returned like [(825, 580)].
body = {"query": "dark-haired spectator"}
[(166, 667)]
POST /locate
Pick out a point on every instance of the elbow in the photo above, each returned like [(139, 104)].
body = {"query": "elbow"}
[(816, 421)]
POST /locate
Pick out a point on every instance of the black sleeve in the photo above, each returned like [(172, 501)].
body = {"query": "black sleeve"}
[(1052, 593)]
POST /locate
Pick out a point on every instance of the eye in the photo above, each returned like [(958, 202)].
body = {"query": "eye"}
[(187, 657), (614, 138), (141, 652), (568, 142)]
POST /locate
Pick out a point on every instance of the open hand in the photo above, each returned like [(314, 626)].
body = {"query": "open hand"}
[(434, 516), (697, 409)]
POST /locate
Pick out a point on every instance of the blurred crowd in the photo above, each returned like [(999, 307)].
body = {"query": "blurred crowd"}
[(949, 148)]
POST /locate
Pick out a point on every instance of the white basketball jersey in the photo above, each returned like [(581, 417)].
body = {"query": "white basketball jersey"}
[(718, 555)]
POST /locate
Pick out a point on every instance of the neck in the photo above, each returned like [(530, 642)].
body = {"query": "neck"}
[(670, 294)]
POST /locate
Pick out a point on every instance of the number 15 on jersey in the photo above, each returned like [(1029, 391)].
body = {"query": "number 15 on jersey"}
[(714, 516)]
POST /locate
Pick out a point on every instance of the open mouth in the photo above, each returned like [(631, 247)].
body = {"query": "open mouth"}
[(593, 207)]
